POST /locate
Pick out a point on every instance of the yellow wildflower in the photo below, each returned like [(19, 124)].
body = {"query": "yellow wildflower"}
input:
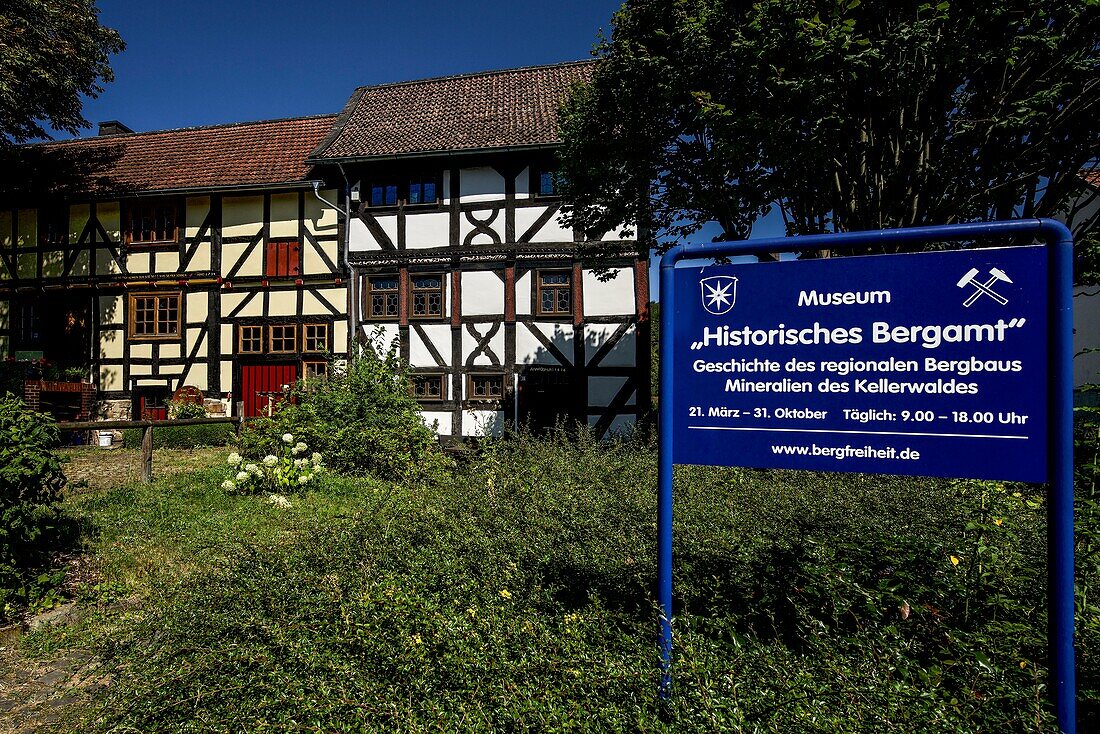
[(505, 594), (954, 560), (998, 522)]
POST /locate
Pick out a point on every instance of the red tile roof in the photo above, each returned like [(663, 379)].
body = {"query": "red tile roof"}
[(219, 156), (488, 110), (1091, 176)]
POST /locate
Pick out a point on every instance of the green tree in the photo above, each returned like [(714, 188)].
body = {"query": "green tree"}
[(52, 52), (845, 115)]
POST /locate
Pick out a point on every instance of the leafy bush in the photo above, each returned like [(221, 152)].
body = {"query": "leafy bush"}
[(182, 409), (30, 490), (361, 419), (292, 468), (518, 594), (184, 437)]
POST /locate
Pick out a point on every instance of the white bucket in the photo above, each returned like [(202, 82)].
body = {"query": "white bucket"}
[(104, 439)]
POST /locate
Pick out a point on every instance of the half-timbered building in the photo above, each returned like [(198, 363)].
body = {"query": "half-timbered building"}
[(198, 257), (458, 250)]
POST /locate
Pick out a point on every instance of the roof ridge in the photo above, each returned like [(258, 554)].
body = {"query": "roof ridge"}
[(475, 74), (220, 125)]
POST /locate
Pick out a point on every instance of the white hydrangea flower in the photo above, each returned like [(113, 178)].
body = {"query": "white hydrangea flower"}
[(316, 457), (278, 500), (271, 460), (288, 438), (234, 459), (304, 479), (243, 476), (299, 462), (253, 469), (300, 448), (228, 485)]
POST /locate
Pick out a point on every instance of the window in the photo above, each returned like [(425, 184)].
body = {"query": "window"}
[(155, 316), (284, 338), (544, 181), (151, 222), (383, 194), (484, 387), (422, 191), (419, 190), (428, 387), (281, 259), (315, 338), (381, 296), (53, 224), (251, 340), (315, 370), (427, 296), (555, 294)]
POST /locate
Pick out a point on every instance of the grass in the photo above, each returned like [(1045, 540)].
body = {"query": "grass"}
[(516, 596)]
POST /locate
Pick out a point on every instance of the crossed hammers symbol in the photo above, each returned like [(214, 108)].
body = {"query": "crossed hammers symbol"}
[(996, 274)]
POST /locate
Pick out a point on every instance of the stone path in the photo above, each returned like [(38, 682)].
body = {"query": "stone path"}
[(36, 695)]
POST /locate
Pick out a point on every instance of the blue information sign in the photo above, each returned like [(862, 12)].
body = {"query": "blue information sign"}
[(930, 364)]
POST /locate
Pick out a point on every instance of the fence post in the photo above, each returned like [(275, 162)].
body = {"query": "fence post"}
[(147, 454)]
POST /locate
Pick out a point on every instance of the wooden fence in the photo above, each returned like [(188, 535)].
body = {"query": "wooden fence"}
[(146, 435)]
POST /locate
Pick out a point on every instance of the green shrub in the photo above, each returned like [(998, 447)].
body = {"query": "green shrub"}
[(184, 437), (181, 410), (30, 490), (517, 595), (361, 419), (290, 468)]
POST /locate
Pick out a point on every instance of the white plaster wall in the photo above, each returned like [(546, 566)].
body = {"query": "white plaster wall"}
[(480, 184), (623, 354), (427, 229), (197, 376), (603, 389), (443, 419), (482, 422), (612, 297), (227, 345), (242, 216), (197, 307), (529, 350), (1086, 336), (388, 223), (320, 217), (231, 299), (482, 293), (360, 236), (284, 215), (168, 262), (482, 237), (552, 231), (387, 334), (138, 262), (469, 343), (523, 184), (440, 337), (197, 207), (523, 294)]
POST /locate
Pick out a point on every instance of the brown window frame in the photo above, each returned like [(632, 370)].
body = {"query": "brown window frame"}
[(172, 205), (471, 397), (306, 338), (441, 290), (293, 331), (131, 309), (369, 291), (539, 288), (440, 377), (308, 364), (282, 251), (261, 338)]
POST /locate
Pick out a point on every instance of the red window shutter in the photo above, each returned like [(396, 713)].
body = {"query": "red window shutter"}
[(271, 258)]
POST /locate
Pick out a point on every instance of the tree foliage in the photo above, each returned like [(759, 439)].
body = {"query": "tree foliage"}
[(845, 115), (52, 52)]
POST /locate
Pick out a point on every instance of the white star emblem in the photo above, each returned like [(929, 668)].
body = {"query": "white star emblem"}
[(719, 293)]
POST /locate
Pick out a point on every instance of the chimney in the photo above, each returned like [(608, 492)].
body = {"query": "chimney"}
[(112, 127)]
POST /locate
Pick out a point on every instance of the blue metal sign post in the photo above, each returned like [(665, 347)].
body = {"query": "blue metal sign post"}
[(930, 364)]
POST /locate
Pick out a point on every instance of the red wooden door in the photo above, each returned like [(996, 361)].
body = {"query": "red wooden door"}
[(263, 385)]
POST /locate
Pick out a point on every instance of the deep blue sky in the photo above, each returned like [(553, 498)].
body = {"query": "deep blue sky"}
[(204, 62)]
